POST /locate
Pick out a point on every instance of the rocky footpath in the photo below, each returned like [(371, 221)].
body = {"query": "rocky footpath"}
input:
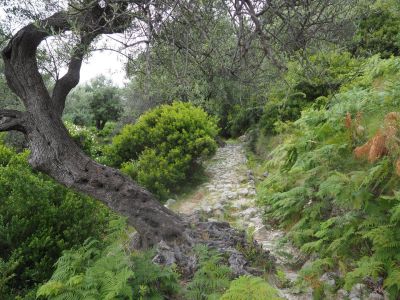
[(229, 195)]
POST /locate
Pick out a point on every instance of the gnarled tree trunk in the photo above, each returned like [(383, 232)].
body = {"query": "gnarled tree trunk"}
[(52, 150)]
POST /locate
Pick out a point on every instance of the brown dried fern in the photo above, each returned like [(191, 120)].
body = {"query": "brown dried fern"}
[(384, 142)]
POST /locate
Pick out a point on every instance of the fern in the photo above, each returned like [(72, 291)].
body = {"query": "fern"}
[(383, 237), (367, 266), (90, 274), (395, 211), (392, 281), (152, 281), (211, 279), (104, 270), (336, 207), (7, 273), (250, 288)]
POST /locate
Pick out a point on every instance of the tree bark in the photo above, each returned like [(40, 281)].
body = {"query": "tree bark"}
[(52, 149)]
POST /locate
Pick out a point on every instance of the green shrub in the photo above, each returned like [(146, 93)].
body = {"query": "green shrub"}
[(38, 220), (165, 146), (307, 85), (378, 30), (83, 136), (250, 288), (241, 117), (6, 154)]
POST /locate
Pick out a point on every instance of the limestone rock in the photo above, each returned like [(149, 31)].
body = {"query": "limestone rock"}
[(249, 212), (165, 255), (243, 192), (169, 203), (237, 263), (328, 278), (357, 291), (240, 203), (243, 138), (342, 294), (375, 296)]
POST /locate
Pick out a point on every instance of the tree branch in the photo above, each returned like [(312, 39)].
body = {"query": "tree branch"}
[(21, 68), (65, 84), (264, 38), (12, 120)]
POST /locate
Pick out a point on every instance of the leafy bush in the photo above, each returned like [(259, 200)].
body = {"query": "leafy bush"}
[(307, 84), (106, 270), (83, 136), (104, 101), (250, 288), (240, 118), (378, 30), (335, 204), (38, 220), (164, 147)]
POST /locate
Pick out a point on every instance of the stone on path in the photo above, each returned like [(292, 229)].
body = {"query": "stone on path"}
[(231, 193)]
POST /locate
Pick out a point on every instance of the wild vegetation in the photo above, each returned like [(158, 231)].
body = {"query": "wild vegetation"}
[(312, 86), (334, 181), (164, 147), (38, 220)]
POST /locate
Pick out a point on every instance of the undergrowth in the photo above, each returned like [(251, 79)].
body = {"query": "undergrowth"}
[(337, 206), (108, 270), (212, 277), (250, 288)]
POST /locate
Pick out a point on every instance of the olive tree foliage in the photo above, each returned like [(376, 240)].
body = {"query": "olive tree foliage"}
[(222, 54), (287, 26), (194, 57)]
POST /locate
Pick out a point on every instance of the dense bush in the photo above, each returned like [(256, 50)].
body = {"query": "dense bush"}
[(307, 82), (163, 148), (91, 140), (334, 182), (240, 118), (84, 137), (38, 220), (379, 30), (107, 270)]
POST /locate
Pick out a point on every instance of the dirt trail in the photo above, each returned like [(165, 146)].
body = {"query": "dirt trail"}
[(230, 195)]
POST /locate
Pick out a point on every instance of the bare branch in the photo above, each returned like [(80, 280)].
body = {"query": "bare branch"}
[(264, 39)]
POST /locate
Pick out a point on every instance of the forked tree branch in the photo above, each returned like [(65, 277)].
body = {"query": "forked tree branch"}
[(21, 68)]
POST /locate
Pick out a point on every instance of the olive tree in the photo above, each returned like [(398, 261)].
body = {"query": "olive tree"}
[(52, 150)]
